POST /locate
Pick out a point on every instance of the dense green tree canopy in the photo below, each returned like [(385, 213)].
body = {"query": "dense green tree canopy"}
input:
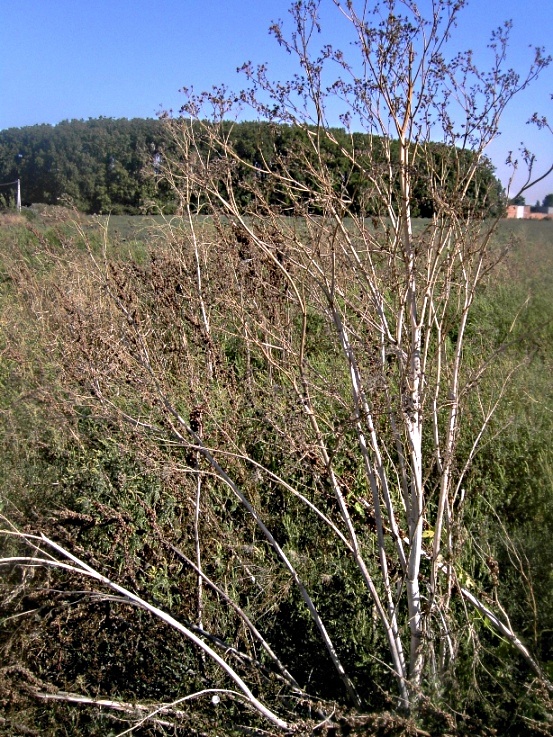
[(109, 165), (100, 165), (518, 200)]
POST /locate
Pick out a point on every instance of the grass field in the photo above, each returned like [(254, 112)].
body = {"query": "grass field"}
[(70, 468)]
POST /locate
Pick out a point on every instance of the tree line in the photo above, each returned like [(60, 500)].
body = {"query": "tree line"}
[(98, 164), (117, 165)]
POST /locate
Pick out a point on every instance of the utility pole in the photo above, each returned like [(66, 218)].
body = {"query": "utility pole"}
[(18, 195)]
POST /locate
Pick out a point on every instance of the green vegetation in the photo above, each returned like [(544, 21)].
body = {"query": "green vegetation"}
[(74, 472), (117, 166), (102, 165), (282, 462)]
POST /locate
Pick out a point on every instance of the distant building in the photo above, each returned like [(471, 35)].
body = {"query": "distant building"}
[(526, 212)]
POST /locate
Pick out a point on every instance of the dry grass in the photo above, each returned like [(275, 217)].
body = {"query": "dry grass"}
[(11, 219)]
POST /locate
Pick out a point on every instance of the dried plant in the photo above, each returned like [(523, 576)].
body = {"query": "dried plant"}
[(299, 358)]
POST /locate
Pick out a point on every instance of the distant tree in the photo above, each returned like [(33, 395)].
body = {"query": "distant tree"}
[(110, 165), (518, 200), (99, 164), (548, 200)]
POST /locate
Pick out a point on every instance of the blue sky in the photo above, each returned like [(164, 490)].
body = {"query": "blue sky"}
[(64, 59)]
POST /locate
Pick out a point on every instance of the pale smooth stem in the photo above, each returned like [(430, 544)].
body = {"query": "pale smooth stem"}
[(276, 547), (508, 633), (84, 569), (198, 547), (136, 710), (205, 318), (413, 423), (448, 454), (243, 616), (350, 688), (394, 639), (363, 411), (392, 634)]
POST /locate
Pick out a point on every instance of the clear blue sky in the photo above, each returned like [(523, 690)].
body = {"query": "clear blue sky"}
[(63, 59)]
